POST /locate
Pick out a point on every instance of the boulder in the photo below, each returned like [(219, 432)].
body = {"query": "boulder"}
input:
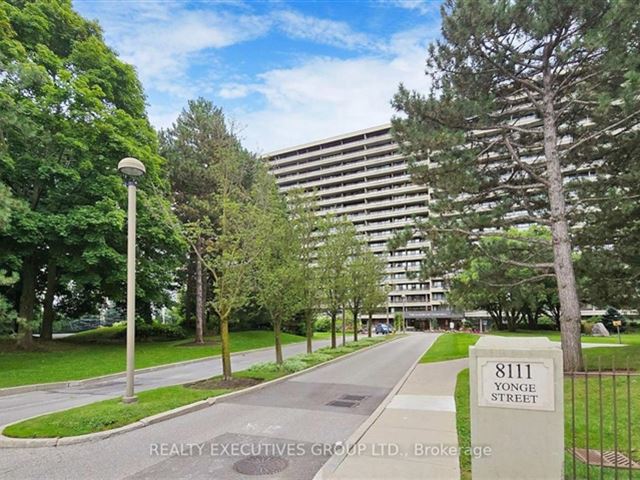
[(599, 330)]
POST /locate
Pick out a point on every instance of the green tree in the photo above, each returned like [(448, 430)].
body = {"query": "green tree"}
[(376, 294), (278, 271), (511, 82), (70, 109), (613, 315), (227, 244), (338, 237), (364, 274), (8, 207), (609, 240), (305, 226), (193, 146), (510, 294)]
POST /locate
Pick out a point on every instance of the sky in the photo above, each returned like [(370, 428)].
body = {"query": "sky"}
[(285, 72)]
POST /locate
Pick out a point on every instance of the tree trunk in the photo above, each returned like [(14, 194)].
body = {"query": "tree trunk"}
[(562, 262), (28, 290), (190, 295), (369, 326), (511, 321), (344, 328), (225, 347), (309, 327), (278, 341), (333, 329), (48, 315), (496, 316), (199, 297), (355, 326), (27, 303)]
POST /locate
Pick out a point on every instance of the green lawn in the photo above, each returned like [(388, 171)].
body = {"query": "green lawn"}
[(463, 422), (85, 355), (322, 335), (450, 346), (606, 356), (110, 414), (627, 338)]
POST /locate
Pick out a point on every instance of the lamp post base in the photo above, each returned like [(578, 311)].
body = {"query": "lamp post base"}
[(126, 399)]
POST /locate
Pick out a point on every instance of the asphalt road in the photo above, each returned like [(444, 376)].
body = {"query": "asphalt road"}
[(30, 404), (290, 420)]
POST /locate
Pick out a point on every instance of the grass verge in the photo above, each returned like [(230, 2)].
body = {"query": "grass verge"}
[(463, 422), (84, 355), (450, 346), (626, 338), (108, 414), (112, 413)]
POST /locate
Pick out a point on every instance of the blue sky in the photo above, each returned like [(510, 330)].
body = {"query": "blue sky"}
[(284, 72)]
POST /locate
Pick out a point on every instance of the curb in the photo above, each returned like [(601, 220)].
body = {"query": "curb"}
[(36, 387), (336, 460), (9, 442)]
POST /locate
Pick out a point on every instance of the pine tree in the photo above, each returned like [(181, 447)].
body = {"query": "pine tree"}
[(522, 93)]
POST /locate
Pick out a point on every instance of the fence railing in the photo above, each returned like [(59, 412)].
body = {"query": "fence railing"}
[(602, 428)]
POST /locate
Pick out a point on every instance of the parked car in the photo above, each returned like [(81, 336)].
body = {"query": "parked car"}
[(383, 328)]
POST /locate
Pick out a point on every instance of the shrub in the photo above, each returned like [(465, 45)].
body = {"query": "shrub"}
[(156, 331), (291, 365), (322, 324), (612, 315), (315, 358), (586, 327), (546, 323)]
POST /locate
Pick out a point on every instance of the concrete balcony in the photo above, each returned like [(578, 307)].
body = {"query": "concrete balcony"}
[(340, 162), (304, 157), (420, 198), (410, 189), (361, 176), (386, 182), (397, 212)]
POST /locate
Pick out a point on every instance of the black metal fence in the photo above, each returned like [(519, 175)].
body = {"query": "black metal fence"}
[(602, 428)]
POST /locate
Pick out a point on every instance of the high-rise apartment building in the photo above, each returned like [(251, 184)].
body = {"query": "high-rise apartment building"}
[(363, 176)]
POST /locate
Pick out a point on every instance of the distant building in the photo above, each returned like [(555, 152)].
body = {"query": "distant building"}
[(363, 176)]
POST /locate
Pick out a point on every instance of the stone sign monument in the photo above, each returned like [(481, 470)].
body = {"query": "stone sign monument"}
[(517, 408)]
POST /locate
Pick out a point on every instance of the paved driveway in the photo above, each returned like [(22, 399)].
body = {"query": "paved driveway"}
[(25, 405), (294, 420)]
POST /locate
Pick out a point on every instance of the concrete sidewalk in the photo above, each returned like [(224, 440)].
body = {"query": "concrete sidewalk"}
[(421, 414)]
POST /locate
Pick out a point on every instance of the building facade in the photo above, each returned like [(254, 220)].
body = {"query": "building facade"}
[(363, 176)]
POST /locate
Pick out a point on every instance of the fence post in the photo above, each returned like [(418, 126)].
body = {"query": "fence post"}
[(517, 408)]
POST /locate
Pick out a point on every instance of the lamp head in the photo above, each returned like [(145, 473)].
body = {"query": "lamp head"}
[(131, 167)]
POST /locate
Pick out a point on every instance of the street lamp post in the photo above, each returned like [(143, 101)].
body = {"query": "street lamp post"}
[(131, 169), (404, 313)]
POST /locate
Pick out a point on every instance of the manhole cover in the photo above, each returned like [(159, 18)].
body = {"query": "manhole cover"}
[(260, 465), (357, 398), (607, 459), (342, 403)]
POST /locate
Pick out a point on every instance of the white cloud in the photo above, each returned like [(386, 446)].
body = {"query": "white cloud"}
[(318, 30), (163, 39), (423, 7), (329, 96), (319, 97)]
